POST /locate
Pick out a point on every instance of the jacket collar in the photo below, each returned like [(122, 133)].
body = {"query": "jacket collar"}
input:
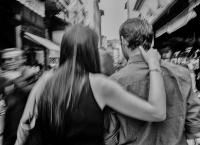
[(135, 59)]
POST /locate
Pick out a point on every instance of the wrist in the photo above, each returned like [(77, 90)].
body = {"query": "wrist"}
[(154, 64), (155, 70), (154, 67)]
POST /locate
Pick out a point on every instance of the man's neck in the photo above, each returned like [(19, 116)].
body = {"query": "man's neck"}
[(134, 53)]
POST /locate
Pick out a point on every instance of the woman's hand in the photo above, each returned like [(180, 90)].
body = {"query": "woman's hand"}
[(151, 57)]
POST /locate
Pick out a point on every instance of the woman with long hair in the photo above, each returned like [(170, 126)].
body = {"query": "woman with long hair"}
[(66, 106)]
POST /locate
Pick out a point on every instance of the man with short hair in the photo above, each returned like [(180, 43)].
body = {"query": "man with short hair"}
[(183, 106)]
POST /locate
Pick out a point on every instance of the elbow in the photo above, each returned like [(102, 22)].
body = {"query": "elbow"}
[(159, 116)]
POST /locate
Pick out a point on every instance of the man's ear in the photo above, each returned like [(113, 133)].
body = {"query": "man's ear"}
[(124, 41)]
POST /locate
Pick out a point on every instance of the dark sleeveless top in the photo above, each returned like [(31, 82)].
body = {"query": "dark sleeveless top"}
[(84, 124)]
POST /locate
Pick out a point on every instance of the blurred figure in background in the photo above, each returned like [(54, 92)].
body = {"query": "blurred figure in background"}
[(106, 62), (3, 83), (19, 80), (166, 53)]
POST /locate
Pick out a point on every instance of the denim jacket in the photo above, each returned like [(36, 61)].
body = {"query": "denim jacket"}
[(183, 108)]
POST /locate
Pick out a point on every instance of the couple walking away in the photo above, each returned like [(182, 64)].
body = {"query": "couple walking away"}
[(148, 102)]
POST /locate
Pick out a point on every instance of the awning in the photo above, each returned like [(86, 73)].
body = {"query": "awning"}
[(176, 23), (36, 6), (179, 21), (42, 41), (162, 11)]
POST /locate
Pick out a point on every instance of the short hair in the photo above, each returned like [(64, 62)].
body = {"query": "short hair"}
[(137, 32)]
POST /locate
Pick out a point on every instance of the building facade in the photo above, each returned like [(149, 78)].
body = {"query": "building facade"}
[(81, 12)]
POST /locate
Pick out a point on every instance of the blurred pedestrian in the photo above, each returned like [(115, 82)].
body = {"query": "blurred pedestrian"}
[(3, 83), (66, 106), (16, 82), (106, 62), (166, 53), (183, 106)]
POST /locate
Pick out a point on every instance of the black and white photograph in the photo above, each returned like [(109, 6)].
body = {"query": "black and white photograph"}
[(99, 72)]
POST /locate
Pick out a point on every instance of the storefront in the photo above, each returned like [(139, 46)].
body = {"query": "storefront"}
[(52, 50), (33, 34), (181, 34)]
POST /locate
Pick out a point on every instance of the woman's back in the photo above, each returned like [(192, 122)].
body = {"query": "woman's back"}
[(85, 122), (82, 123)]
